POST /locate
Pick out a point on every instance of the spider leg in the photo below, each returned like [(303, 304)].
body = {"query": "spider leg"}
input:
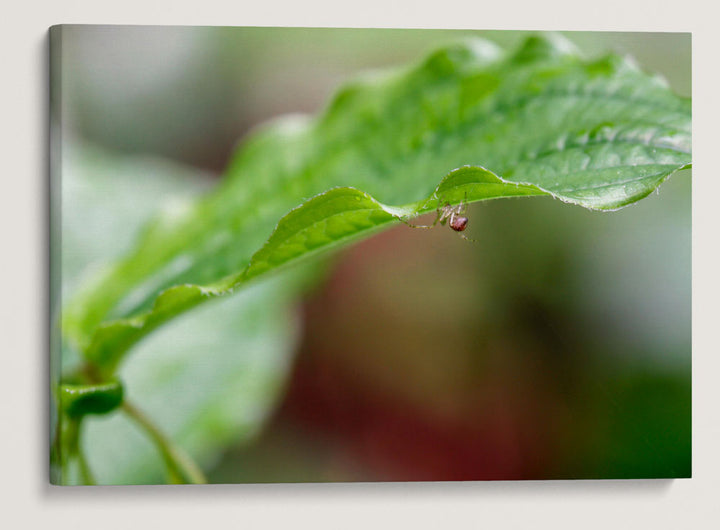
[(466, 238), (463, 206), (445, 213), (437, 218)]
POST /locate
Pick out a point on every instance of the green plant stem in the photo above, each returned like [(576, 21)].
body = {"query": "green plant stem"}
[(85, 472), (68, 451), (181, 468), (67, 445)]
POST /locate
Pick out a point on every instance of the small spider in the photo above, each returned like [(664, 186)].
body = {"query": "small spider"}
[(453, 215)]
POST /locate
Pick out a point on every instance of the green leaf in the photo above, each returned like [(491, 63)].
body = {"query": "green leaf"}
[(80, 399), (469, 122), (106, 199), (206, 381)]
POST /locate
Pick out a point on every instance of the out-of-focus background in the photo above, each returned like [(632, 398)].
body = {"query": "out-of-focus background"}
[(558, 346)]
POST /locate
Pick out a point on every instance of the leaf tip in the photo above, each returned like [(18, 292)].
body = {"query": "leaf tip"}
[(460, 56), (545, 46)]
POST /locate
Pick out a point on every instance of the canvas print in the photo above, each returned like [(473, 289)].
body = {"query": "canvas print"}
[(367, 255)]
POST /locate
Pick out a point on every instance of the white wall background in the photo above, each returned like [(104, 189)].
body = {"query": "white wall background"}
[(26, 498)]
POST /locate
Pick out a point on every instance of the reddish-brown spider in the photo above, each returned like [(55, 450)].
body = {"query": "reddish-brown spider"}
[(452, 215)]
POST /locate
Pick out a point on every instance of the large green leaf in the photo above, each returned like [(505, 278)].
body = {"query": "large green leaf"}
[(469, 122)]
